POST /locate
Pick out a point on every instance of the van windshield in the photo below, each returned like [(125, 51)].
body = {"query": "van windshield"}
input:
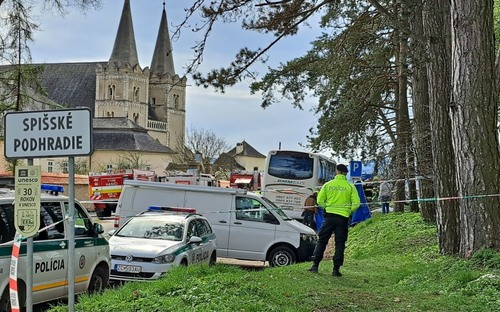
[(277, 209)]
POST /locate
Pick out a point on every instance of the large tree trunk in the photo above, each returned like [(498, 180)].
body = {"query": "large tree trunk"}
[(436, 18), (474, 121), (420, 96)]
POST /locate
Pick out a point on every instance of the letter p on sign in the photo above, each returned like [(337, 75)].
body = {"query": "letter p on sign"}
[(356, 169)]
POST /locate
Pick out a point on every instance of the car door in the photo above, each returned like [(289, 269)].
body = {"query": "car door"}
[(208, 240), (50, 254), (252, 229), (85, 249), (195, 253)]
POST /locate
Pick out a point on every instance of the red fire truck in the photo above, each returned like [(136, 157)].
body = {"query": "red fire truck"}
[(105, 189), (248, 180)]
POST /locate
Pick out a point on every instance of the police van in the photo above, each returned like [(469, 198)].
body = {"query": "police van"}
[(50, 250)]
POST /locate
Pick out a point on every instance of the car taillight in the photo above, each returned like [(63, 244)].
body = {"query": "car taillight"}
[(117, 221)]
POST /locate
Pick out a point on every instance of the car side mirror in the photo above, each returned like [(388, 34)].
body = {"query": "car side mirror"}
[(194, 240), (98, 229)]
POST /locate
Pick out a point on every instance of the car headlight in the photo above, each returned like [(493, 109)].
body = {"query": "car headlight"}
[(168, 258), (308, 237)]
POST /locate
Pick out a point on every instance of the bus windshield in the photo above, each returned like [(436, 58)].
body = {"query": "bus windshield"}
[(291, 165)]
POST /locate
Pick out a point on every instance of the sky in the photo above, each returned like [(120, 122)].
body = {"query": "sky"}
[(235, 115)]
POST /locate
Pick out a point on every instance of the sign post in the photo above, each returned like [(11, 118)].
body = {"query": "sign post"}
[(51, 133)]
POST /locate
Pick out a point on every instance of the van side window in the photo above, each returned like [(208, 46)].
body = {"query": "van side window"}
[(250, 209), (83, 226), (7, 229), (50, 215)]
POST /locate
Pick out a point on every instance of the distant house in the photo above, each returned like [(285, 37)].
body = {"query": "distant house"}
[(243, 157)]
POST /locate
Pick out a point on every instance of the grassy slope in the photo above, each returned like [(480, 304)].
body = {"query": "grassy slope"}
[(392, 264)]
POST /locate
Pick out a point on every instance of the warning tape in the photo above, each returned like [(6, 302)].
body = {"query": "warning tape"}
[(14, 297)]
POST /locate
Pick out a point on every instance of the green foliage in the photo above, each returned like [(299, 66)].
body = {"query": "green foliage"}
[(392, 264)]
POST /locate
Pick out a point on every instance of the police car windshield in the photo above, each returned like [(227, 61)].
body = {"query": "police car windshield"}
[(277, 209), (153, 228)]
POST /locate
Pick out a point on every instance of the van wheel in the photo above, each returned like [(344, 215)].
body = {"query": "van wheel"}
[(281, 256), (184, 262), (5, 299), (98, 281), (213, 259)]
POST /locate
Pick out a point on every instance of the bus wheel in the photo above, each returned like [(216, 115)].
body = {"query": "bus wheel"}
[(281, 256)]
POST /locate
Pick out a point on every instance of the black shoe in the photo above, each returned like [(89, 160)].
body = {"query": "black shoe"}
[(313, 269), (336, 272)]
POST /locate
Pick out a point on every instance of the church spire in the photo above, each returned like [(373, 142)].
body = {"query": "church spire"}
[(163, 61), (124, 49)]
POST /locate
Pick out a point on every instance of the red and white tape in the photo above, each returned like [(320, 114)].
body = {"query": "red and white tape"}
[(14, 296)]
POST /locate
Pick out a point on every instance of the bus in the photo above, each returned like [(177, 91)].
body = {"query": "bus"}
[(291, 176)]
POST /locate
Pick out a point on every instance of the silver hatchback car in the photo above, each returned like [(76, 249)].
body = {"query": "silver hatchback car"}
[(149, 244)]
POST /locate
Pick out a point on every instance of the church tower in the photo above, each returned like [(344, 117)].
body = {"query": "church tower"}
[(155, 98), (121, 84), (167, 91)]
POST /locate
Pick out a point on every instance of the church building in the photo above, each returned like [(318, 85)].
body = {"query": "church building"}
[(139, 112)]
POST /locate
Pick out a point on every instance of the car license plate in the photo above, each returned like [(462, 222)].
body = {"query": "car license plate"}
[(128, 268)]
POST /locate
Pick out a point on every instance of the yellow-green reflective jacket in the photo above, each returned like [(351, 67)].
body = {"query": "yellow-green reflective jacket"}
[(339, 196)]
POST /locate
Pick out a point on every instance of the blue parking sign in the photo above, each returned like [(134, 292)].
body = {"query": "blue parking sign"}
[(355, 169)]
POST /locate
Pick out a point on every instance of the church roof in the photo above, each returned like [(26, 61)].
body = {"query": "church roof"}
[(71, 84), (124, 49), (122, 134), (163, 61)]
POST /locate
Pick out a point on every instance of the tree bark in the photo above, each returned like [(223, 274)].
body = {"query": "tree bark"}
[(474, 121), (436, 20), (420, 97)]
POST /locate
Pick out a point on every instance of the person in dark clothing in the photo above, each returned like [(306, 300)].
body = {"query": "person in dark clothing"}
[(310, 211), (339, 199)]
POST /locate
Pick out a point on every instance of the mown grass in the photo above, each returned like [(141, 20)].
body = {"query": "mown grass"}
[(392, 264)]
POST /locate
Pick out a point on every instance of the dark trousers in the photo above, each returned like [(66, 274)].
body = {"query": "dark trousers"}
[(309, 219), (332, 224)]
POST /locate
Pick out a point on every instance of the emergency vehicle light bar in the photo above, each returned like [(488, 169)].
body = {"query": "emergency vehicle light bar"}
[(173, 209), (52, 188)]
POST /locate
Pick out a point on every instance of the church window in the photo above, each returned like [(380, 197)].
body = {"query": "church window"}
[(176, 101), (111, 92), (135, 117), (136, 94), (153, 101)]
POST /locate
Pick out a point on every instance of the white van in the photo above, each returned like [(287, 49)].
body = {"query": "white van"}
[(247, 225)]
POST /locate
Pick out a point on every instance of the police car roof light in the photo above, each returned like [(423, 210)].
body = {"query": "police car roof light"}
[(52, 188), (173, 209)]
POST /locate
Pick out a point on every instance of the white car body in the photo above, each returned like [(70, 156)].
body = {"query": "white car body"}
[(247, 225), (142, 258)]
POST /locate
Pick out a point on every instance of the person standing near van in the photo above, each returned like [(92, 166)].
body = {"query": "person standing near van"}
[(340, 199), (310, 211), (384, 196)]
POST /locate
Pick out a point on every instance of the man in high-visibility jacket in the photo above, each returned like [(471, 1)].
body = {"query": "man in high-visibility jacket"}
[(340, 199)]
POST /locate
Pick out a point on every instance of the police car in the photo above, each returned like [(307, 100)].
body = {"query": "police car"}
[(50, 250), (149, 244)]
